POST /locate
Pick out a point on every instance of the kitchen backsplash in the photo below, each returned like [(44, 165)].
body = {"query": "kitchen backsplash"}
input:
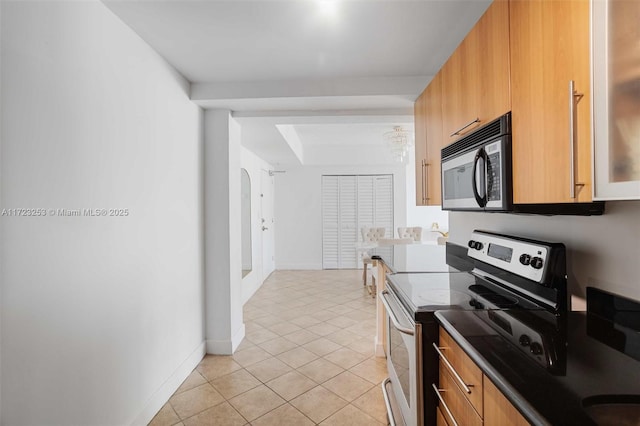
[(602, 251)]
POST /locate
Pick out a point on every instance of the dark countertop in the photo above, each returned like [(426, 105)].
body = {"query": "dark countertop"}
[(418, 258), (596, 358)]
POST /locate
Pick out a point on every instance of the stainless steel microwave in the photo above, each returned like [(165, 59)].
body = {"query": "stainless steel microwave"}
[(476, 169)]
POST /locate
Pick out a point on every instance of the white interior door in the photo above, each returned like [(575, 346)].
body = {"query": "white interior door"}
[(268, 223)]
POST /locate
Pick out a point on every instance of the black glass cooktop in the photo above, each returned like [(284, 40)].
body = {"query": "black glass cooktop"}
[(583, 369), (424, 293)]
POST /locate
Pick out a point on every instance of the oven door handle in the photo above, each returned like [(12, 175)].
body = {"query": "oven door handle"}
[(481, 154), (392, 315), (387, 402)]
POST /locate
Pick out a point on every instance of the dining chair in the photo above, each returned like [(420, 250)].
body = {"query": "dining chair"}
[(414, 232), (369, 235)]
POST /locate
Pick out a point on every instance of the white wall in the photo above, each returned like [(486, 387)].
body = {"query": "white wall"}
[(298, 211), (223, 249), (602, 251), (254, 166), (102, 317), (1, 206)]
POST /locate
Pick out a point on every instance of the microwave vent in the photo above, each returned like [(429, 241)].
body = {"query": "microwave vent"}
[(492, 130)]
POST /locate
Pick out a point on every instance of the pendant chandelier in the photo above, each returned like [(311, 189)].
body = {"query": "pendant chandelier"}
[(399, 141)]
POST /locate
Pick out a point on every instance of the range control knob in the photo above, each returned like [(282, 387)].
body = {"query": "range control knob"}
[(536, 263), (525, 340), (479, 245), (472, 244), (476, 304), (525, 259), (536, 348)]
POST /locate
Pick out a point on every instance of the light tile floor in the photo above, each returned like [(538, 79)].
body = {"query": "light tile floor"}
[(307, 359)]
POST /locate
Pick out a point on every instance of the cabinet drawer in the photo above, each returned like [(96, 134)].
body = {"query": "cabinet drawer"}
[(453, 357), (440, 421), (458, 406)]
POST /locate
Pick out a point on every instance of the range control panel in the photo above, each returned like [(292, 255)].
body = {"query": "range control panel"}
[(525, 258), (527, 340)]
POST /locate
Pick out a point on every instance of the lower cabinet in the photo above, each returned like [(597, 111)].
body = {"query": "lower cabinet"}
[(440, 421), (457, 408), (468, 397), (381, 327), (497, 409)]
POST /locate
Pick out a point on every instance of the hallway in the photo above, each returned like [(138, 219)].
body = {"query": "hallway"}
[(307, 359)]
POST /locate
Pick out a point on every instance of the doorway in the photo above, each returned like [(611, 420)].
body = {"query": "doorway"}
[(267, 223)]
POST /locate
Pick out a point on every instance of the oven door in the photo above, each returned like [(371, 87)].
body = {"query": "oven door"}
[(463, 181), (404, 360)]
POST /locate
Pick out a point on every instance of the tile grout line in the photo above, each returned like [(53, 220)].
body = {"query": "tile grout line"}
[(353, 304)]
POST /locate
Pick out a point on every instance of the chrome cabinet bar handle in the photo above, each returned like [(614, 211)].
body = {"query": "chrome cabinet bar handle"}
[(393, 317), (426, 182), (452, 370), (457, 132), (422, 179), (387, 402), (574, 98), (444, 404)]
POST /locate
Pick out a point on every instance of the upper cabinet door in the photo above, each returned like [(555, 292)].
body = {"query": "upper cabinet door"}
[(475, 79), (487, 47), (429, 141), (435, 141), (421, 149), (550, 86), (616, 99)]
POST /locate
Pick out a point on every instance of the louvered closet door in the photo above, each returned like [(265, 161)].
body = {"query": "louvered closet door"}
[(349, 203), (330, 212), (383, 210), (348, 220), (383, 196), (366, 202)]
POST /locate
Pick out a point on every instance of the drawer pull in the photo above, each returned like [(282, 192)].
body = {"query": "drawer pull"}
[(466, 387), (444, 404)]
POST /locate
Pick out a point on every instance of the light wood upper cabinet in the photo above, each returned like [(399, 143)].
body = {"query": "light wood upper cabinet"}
[(428, 142), (475, 79), (421, 149), (435, 141), (473, 84), (549, 49)]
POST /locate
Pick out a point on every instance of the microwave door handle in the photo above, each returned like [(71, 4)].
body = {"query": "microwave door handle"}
[(481, 154)]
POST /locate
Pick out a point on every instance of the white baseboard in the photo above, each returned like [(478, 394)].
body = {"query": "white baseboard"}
[(237, 338), (162, 395), (379, 350), (299, 266), (226, 347)]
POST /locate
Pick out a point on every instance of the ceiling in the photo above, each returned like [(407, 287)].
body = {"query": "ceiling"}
[(323, 77)]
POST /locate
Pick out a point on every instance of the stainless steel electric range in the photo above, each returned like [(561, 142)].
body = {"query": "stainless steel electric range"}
[(509, 273)]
